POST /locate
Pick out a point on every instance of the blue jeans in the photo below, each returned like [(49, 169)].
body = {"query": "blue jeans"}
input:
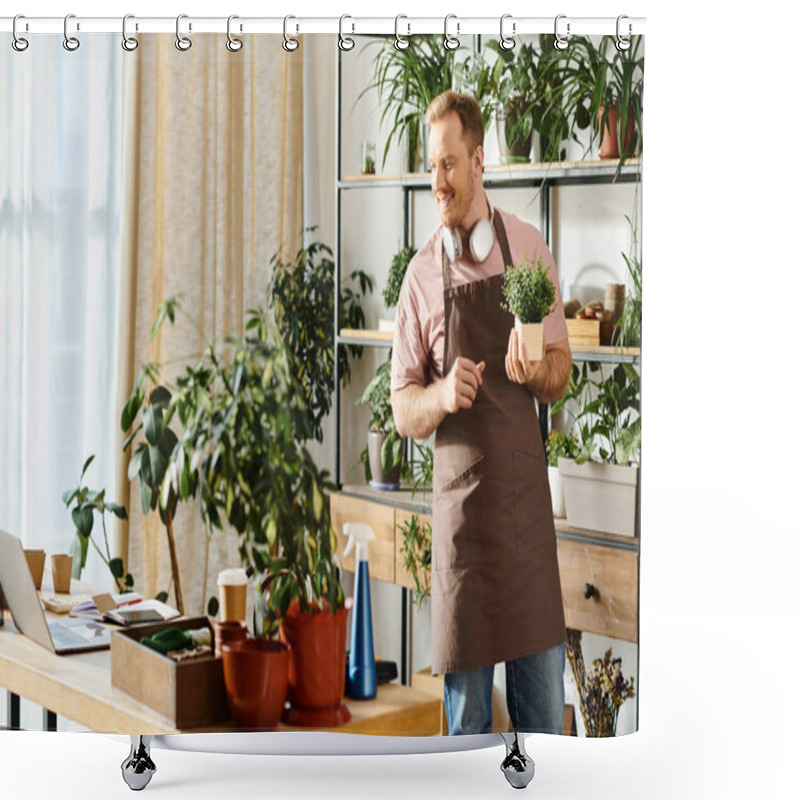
[(534, 694)]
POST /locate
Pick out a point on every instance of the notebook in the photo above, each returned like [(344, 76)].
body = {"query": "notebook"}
[(61, 637)]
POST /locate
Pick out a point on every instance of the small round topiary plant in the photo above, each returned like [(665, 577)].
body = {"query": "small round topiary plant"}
[(529, 293)]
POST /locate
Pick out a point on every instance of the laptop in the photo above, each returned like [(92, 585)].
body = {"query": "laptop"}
[(61, 637)]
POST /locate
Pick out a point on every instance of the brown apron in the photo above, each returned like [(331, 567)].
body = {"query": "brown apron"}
[(495, 590)]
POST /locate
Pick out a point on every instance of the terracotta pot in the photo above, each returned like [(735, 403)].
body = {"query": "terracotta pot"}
[(317, 663), (227, 631), (609, 140), (256, 675)]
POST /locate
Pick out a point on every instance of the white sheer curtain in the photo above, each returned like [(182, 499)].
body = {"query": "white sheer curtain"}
[(60, 139)]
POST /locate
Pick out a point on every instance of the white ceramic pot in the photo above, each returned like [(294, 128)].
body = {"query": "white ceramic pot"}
[(600, 497), (532, 334), (556, 492)]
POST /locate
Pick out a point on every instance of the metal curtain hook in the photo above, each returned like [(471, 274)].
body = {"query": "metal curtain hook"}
[(506, 42), (233, 44), (400, 42), (450, 42), (129, 43), (623, 43), (561, 42), (70, 42), (290, 44), (183, 43), (18, 42), (345, 42)]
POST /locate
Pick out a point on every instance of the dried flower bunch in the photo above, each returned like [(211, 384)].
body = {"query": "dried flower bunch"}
[(601, 690)]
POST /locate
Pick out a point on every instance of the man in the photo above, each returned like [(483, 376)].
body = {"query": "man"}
[(457, 370)]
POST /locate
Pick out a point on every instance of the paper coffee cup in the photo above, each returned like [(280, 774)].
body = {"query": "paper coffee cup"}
[(232, 584), (36, 566), (62, 572)]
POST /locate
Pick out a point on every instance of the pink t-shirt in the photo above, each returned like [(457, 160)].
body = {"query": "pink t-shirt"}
[(418, 349)]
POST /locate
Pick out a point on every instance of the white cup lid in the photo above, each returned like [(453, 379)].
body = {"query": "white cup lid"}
[(232, 577)]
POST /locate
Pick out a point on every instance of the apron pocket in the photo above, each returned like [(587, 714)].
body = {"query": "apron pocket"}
[(533, 508), (458, 519)]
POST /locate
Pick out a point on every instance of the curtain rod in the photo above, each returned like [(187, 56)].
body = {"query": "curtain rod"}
[(406, 26)]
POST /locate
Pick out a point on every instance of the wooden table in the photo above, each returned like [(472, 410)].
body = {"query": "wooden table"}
[(79, 687)]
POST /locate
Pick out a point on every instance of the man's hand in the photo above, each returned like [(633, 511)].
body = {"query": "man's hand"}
[(519, 370), (460, 387)]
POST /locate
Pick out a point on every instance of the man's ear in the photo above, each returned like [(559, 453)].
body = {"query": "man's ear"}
[(477, 158)]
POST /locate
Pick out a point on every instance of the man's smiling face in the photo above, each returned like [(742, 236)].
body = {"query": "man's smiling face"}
[(454, 172)]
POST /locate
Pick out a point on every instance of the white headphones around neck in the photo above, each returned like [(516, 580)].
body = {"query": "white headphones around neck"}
[(481, 240)]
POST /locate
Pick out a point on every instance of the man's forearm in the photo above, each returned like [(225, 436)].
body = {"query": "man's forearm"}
[(551, 379), (418, 410)]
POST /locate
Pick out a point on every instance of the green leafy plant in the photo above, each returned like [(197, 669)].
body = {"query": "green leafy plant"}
[(378, 396), (241, 457), (301, 295), (630, 323), (598, 79), (397, 271), (416, 550), (529, 293), (406, 82), (606, 421), (84, 504), (560, 445)]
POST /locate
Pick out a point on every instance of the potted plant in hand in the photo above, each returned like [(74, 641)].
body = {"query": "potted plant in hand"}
[(530, 296), (600, 483), (559, 445), (383, 456)]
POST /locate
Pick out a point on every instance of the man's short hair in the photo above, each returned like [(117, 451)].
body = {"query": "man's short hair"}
[(468, 110)]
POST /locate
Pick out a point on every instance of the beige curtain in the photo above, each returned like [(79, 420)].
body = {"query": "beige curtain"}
[(213, 176)]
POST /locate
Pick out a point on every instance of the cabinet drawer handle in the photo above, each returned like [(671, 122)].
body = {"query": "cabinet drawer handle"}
[(589, 590)]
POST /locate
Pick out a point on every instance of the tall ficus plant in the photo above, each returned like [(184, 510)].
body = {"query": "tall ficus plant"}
[(301, 295)]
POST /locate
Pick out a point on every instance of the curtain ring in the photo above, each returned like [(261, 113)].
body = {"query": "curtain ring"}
[(622, 42), (345, 42), (506, 42), (233, 44), (129, 43), (450, 42), (290, 44), (183, 43), (19, 43), (400, 42), (70, 42), (561, 42)]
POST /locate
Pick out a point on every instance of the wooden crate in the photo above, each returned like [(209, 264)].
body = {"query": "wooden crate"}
[(584, 332), (190, 694)]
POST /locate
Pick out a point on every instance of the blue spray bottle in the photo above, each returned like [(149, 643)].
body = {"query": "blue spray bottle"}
[(362, 682)]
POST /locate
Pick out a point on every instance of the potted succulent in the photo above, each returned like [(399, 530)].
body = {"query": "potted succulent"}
[(86, 503), (530, 296), (601, 482), (406, 81), (559, 445), (383, 456)]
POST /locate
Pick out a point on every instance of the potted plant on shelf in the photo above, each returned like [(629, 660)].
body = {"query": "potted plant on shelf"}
[(603, 89), (406, 81), (559, 445), (530, 296), (383, 456), (86, 503), (629, 325), (394, 280), (600, 483)]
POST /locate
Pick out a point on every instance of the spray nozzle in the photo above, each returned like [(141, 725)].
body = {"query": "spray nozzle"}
[(360, 535)]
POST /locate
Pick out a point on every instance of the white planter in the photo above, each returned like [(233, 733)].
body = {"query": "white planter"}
[(600, 497), (532, 334), (556, 492)]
